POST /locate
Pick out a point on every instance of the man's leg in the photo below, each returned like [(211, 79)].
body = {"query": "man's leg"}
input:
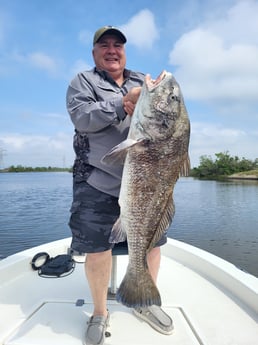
[(153, 261), (98, 270)]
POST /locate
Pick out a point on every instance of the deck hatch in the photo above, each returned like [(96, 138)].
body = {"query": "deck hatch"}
[(61, 323)]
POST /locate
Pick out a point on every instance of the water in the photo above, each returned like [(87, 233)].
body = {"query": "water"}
[(34, 209), (220, 217)]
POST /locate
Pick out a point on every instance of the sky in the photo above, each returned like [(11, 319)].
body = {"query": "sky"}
[(210, 46)]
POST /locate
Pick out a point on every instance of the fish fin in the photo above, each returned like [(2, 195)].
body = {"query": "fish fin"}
[(185, 168), (118, 153), (117, 234), (164, 223), (138, 290)]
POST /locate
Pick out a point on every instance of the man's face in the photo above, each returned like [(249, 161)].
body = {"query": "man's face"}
[(109, 54)]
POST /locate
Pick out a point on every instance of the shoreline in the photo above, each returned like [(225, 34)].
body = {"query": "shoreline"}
[(242, 177)]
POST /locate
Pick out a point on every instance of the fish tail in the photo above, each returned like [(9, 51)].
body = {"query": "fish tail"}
[(138, 290)]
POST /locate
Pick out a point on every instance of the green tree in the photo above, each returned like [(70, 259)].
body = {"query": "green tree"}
[(223, 165)]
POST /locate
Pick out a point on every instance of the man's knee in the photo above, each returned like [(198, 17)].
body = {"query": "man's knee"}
[(95, 258)]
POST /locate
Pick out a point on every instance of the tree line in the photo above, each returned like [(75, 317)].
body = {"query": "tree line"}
[(20, 168), (223, 165)]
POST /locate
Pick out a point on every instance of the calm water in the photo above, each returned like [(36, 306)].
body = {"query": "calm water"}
[(220, 217)]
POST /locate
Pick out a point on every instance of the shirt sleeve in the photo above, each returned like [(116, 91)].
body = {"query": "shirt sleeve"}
[(86, 112)]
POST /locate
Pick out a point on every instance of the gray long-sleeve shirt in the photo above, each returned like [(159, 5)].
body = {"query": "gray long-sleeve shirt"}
[(94, 102)]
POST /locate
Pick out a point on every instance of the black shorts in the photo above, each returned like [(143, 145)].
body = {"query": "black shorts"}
[(93, 214)]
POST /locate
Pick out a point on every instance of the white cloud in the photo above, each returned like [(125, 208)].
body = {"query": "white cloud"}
[(43, 61), (37, 150), (39, 60), (219, 59), (141, 29), (239, 25), (215, 138), (217, 64), (79, 66)]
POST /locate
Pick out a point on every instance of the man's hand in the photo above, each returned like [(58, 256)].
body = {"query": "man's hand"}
[(130, 99)]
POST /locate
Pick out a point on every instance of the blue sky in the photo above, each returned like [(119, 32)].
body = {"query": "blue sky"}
[(210, 46)]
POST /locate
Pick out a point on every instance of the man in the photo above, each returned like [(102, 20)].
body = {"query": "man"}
[(101, 102)]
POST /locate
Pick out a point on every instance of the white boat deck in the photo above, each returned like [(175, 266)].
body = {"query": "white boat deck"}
[(209, 305)]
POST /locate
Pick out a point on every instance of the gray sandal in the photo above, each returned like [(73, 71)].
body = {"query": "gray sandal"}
[(156, 318), (95, 333)]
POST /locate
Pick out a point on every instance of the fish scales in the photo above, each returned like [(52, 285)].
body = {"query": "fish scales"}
[(156, 152)]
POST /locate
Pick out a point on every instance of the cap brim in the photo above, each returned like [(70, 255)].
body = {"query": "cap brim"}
[(110, 31)]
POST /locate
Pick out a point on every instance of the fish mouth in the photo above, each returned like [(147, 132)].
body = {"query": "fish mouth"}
[(152, 83)]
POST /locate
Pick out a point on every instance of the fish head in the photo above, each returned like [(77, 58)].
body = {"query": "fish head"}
[(158, 107)]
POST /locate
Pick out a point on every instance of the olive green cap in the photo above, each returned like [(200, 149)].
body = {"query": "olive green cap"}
[(108, 30)]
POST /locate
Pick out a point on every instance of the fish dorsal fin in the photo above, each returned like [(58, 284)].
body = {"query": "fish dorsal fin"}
[(165, 221), (116, 156)]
